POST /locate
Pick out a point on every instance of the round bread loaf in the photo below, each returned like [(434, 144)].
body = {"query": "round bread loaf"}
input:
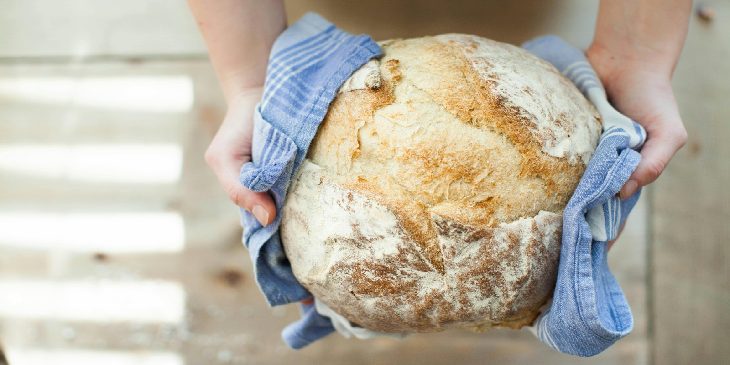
[(432, 195)]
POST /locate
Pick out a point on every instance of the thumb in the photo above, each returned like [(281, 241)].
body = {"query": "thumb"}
[(260, 204), (655, 156)]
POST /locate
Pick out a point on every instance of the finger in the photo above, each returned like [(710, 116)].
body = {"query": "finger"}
[(260, 204), (655, 156)]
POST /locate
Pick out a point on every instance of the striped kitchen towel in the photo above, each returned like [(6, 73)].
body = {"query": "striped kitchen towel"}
[(589, 312), (308, 63)]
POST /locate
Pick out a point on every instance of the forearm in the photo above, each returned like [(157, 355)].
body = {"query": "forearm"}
[(648, 34), (634, 52), (239, 35)]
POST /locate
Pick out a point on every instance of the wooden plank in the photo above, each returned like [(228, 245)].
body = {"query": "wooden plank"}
[(512, 22), (53, 109), (691, 210), (80, 29)]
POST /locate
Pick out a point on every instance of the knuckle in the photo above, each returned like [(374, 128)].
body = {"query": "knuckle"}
[(654, 169), (211, 157), (237, 196), (681, 136)]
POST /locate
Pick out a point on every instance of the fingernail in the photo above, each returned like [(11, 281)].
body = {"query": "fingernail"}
[(628, 190), (261, 214)]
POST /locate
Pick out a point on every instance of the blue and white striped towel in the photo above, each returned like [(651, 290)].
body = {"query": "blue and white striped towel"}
[(589, 312), (308, 63)]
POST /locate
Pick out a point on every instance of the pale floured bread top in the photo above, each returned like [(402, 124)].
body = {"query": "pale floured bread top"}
[(514, 73), (466, 151)]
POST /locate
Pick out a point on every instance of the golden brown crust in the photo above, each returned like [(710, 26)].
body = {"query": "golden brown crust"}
[(470, 98)]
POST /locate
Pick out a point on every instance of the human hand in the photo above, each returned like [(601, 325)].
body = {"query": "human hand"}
[(231, 148), (645, 95)]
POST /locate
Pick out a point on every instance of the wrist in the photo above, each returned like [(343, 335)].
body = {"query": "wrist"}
[(241, 84), (612, 60), (618, 68), (237, 94)]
